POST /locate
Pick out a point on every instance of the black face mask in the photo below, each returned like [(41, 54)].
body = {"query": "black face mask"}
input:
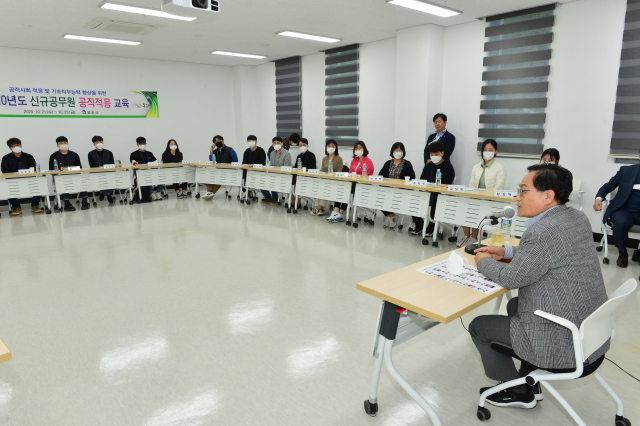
[(219, 144)]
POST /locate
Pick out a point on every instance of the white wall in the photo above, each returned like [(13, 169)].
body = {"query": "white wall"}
[(265, 102), (582, 88), (196, 102)]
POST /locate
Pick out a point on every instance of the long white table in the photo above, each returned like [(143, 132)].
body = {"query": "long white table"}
[(92, 180), (223, 175), (270, 179), (167, 174), (25, 186), (324, 187)]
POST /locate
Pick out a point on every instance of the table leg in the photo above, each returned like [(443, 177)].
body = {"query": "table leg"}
[(425, 241), (497, 304), (140, 192), (371, 405)]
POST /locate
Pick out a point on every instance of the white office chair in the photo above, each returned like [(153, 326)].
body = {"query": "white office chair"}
[(607, 229), (577, 196), (595, 330)]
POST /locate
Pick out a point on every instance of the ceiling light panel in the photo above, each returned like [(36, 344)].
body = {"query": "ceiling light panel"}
[(141, 11), (101, 40), (241, 55), (426, 7), (308, 36)]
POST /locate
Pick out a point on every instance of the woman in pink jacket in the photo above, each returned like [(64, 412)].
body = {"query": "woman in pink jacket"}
[(361, 165)]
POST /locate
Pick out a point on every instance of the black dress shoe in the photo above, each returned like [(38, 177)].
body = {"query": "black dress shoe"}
[(85, 205), (101, 196), (109, 198), (623, 260), (635, 256), (68, 207)]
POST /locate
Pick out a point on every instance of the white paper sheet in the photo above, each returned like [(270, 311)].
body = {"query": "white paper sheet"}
[(470, 278)]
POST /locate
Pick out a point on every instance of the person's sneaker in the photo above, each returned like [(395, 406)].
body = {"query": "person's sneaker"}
[(209, 195), (184, 193), (85, 204), (266, 201), (16, 212), (321, 212), (386, 221), (470, 240), (332, 215), (313, 212), (337, 218), (36, 209), (68, 207), (415, 231), (462, 242), (102, 196), (428, 234), (537, 391), (511, 398), (109, 199), (393, 222)]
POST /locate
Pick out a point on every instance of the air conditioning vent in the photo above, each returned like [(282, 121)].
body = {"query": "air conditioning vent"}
[(122, 27)]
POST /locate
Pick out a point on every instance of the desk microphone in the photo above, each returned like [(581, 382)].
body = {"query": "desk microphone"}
[(508, 212)]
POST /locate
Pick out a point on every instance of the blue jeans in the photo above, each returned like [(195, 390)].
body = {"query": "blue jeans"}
[(622, 221), (106, 191), (266, 194), (35, 201)]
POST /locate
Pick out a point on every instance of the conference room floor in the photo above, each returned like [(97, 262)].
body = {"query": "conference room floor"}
[(186, 312)]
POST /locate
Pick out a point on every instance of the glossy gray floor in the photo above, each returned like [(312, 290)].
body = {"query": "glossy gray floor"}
[(186, 312)]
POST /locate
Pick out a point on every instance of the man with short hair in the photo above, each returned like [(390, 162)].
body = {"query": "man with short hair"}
[(66, 158), (142, 156), (441, 135), (98, 158), (279, 157), (223, 155), (253, 154), (306, 157), (11, 163), (623, 210), (556, 270)]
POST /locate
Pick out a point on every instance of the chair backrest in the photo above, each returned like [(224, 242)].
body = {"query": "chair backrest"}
[(598, 327), (575, 194)]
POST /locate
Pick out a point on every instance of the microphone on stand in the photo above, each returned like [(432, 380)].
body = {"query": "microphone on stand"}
[(508, 212)]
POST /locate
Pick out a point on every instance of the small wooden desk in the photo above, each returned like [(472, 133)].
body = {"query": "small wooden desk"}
[(271, 179), (163, 174), (412, 303), (220, 174), (325, 187), (5, 353), (91, 180), (29, 185)]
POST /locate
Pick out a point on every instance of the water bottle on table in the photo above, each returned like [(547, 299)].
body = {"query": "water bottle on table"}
[(37, 167), (438, 178), (55, 165), (506, 227), (299, 164), (117, 163), (364, 171), (330, 168)]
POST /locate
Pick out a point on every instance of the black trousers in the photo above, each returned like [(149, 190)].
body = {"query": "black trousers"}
[(622, 221), (419, 222), (177, 186)]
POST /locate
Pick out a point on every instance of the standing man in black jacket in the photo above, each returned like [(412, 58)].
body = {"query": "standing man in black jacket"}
[(65, 159), (98, 158), (11, 163), (142, 156), (437, 162), (441, 135)]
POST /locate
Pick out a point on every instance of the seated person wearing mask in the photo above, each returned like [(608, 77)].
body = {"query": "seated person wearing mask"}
[(307, 158), (254, 154), (223, 154), (550, 155), (359, 163), (11, 163), (65, 159), (279, 157), (294, 138), (172, 155), (142, 156), (396, 168), (556, 270), (332, 157), (441, 135), (436, 151), (488, 174), (98, 158), (624, 210)]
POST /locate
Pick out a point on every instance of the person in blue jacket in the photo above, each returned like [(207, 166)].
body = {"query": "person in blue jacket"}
[(441, 135), (623, 210)]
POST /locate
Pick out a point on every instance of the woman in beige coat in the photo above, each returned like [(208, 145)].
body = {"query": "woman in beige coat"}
[(488, 174)]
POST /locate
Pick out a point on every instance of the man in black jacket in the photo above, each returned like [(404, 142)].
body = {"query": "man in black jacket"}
[(142, 156), (65, 159), (438, 162), (223, 155), (441, 135), (254, 154), (306, 157), (98, 158), (11, 163)]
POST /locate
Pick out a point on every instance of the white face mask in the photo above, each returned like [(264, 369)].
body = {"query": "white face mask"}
[(277, 147), (99, 145), (142, 147), (173, 147), (359, 153), (398, 155), (488, 155), (331, 150), (303, 149), (251, 144), (435, 159), (63, 147), (16, 149)]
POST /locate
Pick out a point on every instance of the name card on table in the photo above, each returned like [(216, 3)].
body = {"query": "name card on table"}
[(257, 166), (285, 169), (314, 171), (457, 188), (153, 163), (342, 174), (236, 164), (376, 178), (186, 161), (24, 171), (208, 163), (72, 169), (109, 166), (504, 193), (420, 182)]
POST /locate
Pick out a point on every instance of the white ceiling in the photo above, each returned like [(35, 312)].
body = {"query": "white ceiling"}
[(247, 26)]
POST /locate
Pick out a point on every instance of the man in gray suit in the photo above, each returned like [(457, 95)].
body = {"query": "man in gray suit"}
[(556, 270)]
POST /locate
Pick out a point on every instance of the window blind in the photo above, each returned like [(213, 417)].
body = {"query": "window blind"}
[(625, 136), (341, 94), (516, 79), (288, 97)]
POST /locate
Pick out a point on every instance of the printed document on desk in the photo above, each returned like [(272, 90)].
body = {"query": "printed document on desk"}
[(470, 277)]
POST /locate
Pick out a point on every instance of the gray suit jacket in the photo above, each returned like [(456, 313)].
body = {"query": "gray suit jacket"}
[(557, 271)]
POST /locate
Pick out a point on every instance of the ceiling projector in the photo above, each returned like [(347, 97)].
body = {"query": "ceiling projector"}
[(191, 8)]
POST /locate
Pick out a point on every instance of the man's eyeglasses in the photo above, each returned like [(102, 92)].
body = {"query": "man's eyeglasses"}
[(522, 191)]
